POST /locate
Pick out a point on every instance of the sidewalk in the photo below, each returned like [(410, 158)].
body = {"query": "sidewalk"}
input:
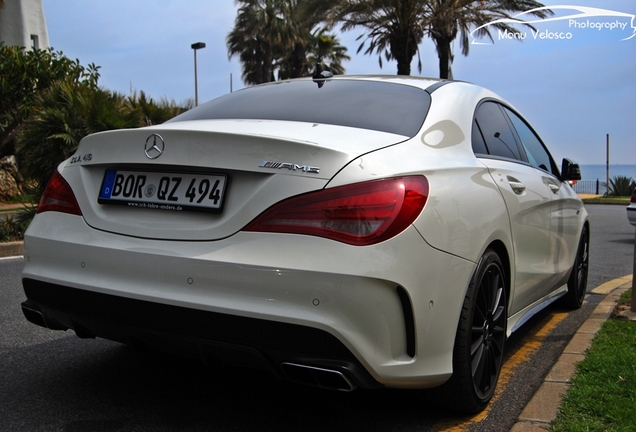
[(11, 249), (544, 406)]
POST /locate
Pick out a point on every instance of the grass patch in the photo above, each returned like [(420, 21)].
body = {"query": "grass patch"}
[(626, 297), (603, 392)]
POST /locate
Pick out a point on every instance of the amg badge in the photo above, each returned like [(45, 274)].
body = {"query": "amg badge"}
[(289, 166)]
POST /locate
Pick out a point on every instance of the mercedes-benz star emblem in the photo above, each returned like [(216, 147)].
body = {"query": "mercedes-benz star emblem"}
[(154, 146)]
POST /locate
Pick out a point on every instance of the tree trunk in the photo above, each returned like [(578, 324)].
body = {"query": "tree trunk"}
[(299, 57), (267, 64), (403, 67), (403, 49), (445, 56)]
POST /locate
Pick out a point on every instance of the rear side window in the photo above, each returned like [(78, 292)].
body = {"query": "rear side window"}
[(382, 106), (538, 156), (496, 132), (479, 145)]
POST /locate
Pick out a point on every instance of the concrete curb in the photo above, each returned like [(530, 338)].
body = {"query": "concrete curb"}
[(544, 406), (10, 249)]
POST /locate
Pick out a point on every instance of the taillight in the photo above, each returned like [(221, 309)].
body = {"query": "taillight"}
[(633, 196), (358, 214), (58, 197)]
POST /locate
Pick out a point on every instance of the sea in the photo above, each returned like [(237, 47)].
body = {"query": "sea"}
[(591, 173), (594, 172)]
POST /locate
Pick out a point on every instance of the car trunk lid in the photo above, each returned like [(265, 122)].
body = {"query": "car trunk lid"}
[(256, 163)]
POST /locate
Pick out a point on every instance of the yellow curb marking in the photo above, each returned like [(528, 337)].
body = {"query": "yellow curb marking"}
[(610, 286), (528, 346)]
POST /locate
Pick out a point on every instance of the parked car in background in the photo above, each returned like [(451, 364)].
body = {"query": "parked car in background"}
[(631, 209), (342, 232)]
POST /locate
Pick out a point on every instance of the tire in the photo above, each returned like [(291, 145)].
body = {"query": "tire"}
[(577, 283), (480, 338)]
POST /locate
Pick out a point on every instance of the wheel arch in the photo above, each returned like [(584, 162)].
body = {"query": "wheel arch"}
[(502, 251), (586, 225)]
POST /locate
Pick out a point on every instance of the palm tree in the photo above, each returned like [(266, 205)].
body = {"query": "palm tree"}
[(327, 51), (259, 30), (68, 111), (142, 110), (310, 45), (446, 19), (395, 28), (62, 117), (318, 47), (273, 41)]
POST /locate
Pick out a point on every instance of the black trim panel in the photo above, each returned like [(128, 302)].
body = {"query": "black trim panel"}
[(233, 339)]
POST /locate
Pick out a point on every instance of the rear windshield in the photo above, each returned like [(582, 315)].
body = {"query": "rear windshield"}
[(382, 106)]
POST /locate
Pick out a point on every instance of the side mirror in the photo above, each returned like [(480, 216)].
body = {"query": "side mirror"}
[(570, 170)]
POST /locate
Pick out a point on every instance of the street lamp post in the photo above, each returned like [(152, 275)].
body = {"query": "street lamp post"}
[(195, 47)]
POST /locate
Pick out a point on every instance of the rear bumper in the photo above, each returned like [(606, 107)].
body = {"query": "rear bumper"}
[(208, 336), (381, 315)]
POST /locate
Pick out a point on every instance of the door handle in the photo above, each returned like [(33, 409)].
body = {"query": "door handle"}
[(554, 188), (517, 187)]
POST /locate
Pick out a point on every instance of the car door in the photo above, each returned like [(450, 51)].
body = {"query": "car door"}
[(566, 207), (528, 199)]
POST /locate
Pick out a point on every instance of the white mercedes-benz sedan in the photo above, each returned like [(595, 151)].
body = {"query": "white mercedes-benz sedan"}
[(343, 232)]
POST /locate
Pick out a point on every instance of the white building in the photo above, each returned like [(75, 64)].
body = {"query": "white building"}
[(22, 23)]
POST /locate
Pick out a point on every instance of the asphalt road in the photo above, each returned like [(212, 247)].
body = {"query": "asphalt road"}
[(611, 244), (54, 381)]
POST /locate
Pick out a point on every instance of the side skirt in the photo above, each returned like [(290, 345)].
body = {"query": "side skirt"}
[(521, 317)]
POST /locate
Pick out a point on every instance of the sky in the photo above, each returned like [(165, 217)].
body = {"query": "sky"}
[(573, 79)]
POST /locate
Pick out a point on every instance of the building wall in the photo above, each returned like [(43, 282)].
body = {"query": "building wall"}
[(22, 23)]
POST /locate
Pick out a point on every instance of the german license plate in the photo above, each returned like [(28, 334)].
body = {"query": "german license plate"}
[(163, 191)]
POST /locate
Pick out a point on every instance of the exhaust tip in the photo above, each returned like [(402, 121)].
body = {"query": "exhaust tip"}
[(317, 377), (34, 316), (38, 317)]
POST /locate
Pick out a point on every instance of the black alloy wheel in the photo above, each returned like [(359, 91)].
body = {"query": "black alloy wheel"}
[(488, 331), (480, 339), (577, 283)]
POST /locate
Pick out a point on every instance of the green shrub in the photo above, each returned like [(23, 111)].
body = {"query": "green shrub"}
[(13, 228), (621, 186), (10, 230)]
